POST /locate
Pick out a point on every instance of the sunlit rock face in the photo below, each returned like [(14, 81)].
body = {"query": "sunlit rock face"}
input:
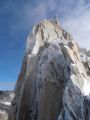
[(51, 81), (5, 101)]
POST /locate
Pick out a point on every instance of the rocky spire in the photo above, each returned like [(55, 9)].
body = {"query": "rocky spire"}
[(51, 81), (57, 20)]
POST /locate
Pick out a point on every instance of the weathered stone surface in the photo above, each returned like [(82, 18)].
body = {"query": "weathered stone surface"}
[(85, 58), (50, 85), (5, 101)]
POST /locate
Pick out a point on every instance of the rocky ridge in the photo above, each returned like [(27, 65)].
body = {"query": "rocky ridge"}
[(52, 78), (5, 101)]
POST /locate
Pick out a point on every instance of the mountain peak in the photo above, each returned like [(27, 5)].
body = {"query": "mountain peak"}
[(46, 32), (52, 78)]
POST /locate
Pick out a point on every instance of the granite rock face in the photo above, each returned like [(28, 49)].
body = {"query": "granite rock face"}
[(52, 78), (85, 58), (5, 101)]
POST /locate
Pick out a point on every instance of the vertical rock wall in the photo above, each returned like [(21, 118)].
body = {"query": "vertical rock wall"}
[(50, 84)]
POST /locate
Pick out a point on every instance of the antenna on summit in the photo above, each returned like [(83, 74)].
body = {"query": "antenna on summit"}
[(57, 20)]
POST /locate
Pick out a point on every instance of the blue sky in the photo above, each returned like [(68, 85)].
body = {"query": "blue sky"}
[(17, 18)]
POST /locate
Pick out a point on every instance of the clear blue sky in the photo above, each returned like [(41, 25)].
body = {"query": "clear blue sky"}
[(17, 18)]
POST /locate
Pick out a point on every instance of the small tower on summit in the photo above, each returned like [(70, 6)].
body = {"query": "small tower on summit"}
[(57, 20)]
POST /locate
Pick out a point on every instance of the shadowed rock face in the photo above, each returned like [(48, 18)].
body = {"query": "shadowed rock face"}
[(50, 84), (5, 102)]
